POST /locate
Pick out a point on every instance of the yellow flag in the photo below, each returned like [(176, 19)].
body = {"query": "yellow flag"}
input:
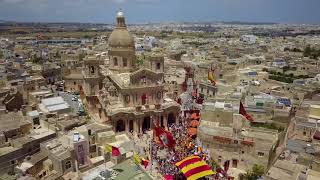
[(108, 148), (136, 159)]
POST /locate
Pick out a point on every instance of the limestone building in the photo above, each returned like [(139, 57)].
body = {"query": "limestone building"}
[(121, 93)]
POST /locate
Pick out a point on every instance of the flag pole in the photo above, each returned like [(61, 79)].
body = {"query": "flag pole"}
[(104, 160), (150, 147)]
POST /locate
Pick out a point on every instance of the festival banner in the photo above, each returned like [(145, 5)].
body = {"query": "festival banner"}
[(193, 167)]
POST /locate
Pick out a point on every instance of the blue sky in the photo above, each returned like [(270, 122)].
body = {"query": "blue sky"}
[(143, 11)]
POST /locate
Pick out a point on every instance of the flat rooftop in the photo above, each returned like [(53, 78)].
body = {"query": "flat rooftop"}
[(12, 120), (6, 150)]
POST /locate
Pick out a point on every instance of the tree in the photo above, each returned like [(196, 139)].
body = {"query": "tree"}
[(1, 54), (82, 56), (140, 61), (256, 172), (307, 51)]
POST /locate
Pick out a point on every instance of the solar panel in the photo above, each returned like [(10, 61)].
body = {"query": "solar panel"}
[(284, 101)]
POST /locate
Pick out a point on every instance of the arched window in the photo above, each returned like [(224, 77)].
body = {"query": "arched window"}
[(125, 62), (92, 69), (120, 126), (115, 61)]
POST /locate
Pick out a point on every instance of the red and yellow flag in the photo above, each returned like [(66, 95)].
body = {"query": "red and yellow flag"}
[(114, 150), (144, 162), (193, 167)]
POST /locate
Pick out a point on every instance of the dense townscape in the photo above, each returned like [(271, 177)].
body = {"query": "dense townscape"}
[(159, 101)]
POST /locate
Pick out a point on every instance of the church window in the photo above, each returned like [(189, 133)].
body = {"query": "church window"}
[(92, 70), (159, 95), (144, 79), (125, 62), (68, 165), (80, 148), (127, 99), (158, 66), (115, 61)]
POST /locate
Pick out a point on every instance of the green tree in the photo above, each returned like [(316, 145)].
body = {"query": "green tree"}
[(1, 54), (307, 51), (256, 172), (140, 61), (82, 56)]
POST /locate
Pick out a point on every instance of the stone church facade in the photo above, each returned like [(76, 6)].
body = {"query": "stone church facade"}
[(119, 93)]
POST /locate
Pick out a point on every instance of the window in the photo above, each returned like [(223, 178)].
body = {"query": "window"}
[(144, 79), (74, 83), (219, 159), (234, 163), (304, 133), (68, 165), (158, 66), (127, 98), (115, 61), (80, 148), (92, 70), (125, 62), (260, 154)]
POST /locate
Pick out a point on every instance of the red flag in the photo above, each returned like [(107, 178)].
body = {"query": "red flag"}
[(115, 151), (165, 137), (244, 113), (144, 162), (226, 165), (168, 177)]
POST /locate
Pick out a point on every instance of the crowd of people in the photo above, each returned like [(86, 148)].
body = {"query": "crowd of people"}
[(163, 159), (166, 164)]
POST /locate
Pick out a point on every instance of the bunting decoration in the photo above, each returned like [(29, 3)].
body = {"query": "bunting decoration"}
[(193, 167)]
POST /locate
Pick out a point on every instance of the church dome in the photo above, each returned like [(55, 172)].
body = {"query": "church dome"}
[(120, 36)]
